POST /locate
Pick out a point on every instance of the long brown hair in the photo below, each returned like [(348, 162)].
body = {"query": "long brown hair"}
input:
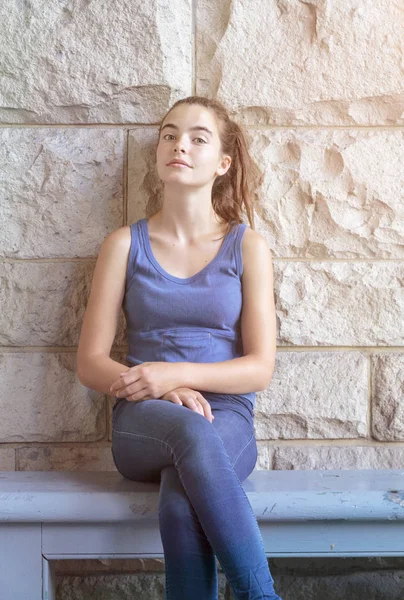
[(236, 190)]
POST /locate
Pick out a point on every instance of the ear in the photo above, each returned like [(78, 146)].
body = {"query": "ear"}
[(224, 165)]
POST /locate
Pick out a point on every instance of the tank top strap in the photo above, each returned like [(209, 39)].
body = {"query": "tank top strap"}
[(232, 252), (136, 252)]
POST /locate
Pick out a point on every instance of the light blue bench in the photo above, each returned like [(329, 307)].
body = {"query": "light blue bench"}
[(45, 516)]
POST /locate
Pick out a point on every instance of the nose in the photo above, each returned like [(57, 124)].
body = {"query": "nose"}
[(179, 145)]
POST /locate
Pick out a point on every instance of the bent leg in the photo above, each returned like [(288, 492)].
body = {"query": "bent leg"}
[(151, 435)]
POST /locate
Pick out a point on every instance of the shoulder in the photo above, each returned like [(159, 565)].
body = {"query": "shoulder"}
[(257, 279), (257, 267), (254, 248), (120, 237)]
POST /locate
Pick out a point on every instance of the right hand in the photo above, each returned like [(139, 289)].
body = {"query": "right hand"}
[(190, 398)]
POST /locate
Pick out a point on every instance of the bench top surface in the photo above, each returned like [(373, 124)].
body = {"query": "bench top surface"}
[(73, 496)]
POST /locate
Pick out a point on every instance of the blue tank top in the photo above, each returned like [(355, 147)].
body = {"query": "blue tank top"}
[(192, 319)]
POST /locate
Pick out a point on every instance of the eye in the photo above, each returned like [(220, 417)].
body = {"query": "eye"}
[(171, 135)]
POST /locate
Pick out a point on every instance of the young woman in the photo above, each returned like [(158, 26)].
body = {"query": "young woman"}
[(196, 287)]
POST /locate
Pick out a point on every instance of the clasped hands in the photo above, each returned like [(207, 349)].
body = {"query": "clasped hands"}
[(159, 380)]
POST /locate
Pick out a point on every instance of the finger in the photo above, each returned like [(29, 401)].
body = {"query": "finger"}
[(175, 399), (190, 403), (131, 389), (171, 397), (199, 407), (206, 407), (114, 387), (119, 387), (123, 392), (139, 395)]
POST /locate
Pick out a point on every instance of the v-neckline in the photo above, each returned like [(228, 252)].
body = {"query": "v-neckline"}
[(184, 280)]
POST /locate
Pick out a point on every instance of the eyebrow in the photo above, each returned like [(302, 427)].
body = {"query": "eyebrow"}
[(196, 128)]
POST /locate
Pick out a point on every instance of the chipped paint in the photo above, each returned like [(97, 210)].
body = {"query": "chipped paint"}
[(396, 496), (142, 509)]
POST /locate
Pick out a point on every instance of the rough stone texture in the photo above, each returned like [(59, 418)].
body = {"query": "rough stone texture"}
[(315, 395), (388, 396), (43, 303), (61, 190), (91, 457), (294, 579), (338, 455), (294, 584), (339, 303), (144, 186), (94, 457), (331, 193), (291, 62), (7, 459), (93, 62), (142, 586), (106, 565), (42, 400)]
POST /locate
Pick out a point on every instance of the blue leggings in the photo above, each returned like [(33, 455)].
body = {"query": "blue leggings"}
[(203, 509)]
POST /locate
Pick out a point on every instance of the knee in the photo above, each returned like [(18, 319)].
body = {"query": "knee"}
[(195, 426)]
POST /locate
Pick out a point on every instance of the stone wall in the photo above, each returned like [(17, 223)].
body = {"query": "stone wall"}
[(319, 86)]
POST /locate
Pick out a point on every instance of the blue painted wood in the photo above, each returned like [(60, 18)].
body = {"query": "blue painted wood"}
[(60, 496), (48, 580), (293, 539), (20, 561), (46, 516)]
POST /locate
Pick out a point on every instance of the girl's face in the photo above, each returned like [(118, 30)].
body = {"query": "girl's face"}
[(180, 137)]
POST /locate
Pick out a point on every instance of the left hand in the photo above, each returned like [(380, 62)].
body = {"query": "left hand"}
[(145, 381)]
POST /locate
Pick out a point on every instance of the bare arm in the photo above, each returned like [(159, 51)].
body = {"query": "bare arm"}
[(236, 376), (253, 371), (100, 372), (95, 368)]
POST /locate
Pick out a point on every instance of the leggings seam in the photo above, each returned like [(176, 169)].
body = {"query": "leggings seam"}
[(241, 451), (148, 437)]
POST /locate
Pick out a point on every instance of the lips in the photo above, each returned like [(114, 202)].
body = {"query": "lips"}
[(178, 162)]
